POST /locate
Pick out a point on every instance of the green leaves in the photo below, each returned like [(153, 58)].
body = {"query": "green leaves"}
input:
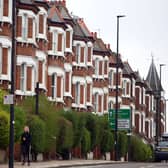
[(37, 131), (4, 130), (139, 150)]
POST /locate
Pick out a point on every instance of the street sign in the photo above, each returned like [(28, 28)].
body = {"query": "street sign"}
[(8, 99), (123, 119)]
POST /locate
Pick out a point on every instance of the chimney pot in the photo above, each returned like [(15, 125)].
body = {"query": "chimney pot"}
[(64, 2)]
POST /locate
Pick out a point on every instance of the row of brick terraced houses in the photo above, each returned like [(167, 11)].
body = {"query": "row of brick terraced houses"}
[(74, 67)]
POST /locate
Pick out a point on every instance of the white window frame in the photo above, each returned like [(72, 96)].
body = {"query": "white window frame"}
[(124, 88), (110, 77), (110, 105), (96, 99), (33, 78), (77, 93), (78, 52), (25, 26), (43, 71), (1, 9), (55, 42), (34, 29), (96, 66), (23, 77), (54, 86), (140, 95)]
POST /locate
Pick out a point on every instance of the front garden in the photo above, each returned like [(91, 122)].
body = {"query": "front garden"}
[(59, 134)]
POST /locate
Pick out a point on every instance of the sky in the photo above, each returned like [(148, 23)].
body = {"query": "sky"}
[(143, 32)]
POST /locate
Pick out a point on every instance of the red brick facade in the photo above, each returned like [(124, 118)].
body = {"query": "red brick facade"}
[(73, 66)]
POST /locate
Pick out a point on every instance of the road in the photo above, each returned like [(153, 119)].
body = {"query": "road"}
[(130, 165)]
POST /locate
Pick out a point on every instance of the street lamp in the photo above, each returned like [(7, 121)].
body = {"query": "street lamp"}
[(160, 95), (117, 79), (13, 53), (37, 99)]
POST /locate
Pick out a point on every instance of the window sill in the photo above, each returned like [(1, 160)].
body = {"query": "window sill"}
[(25, 93), (27, 41)]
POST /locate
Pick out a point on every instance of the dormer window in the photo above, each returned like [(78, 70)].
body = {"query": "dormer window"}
[(57, 42)]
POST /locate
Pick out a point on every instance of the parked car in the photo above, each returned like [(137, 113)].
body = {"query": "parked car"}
[(161, 150)]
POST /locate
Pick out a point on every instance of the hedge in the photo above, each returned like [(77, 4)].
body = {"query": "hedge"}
[(4, 130)]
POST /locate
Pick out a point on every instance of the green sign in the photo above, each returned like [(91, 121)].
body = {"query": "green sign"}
[(123, 119)]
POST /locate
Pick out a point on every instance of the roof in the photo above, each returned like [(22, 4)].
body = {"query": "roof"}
[(99, 46), (54, 15), (63, 11), (80, 30), (153, 78), (138, 77), (127, 70), (77, 28)]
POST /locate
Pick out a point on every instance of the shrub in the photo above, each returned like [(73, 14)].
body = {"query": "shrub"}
[(73, 117), (20, 120), (37, 130), (122, 143), (93, 127), (4, 129), (85, 142), (3, 107), (139, 150), (47, 113), (64, 137), (107, 142)]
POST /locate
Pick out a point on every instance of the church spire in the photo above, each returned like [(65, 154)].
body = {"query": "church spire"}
[(153, 77)]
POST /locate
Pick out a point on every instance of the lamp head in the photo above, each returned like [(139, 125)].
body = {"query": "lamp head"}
[(162, 64), (119, 16)]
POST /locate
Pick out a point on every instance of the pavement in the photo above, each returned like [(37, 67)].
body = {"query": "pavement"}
[(61, 163)]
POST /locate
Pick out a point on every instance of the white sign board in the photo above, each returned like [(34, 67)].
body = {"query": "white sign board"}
[(8, 99), (123, 123)]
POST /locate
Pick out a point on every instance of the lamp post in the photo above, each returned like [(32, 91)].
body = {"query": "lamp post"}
[(160, 95), (11, 132), (117, 79), (37, 98)]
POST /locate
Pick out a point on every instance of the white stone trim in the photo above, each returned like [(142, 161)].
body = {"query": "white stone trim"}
[(98, 90), (89, 79), (79, 79), (5, 41), (26, 59), (53, 69)]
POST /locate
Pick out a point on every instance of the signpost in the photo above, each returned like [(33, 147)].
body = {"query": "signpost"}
[(123, 119)]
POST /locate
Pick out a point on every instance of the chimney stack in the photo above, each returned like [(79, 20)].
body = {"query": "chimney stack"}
[(95, 34)]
